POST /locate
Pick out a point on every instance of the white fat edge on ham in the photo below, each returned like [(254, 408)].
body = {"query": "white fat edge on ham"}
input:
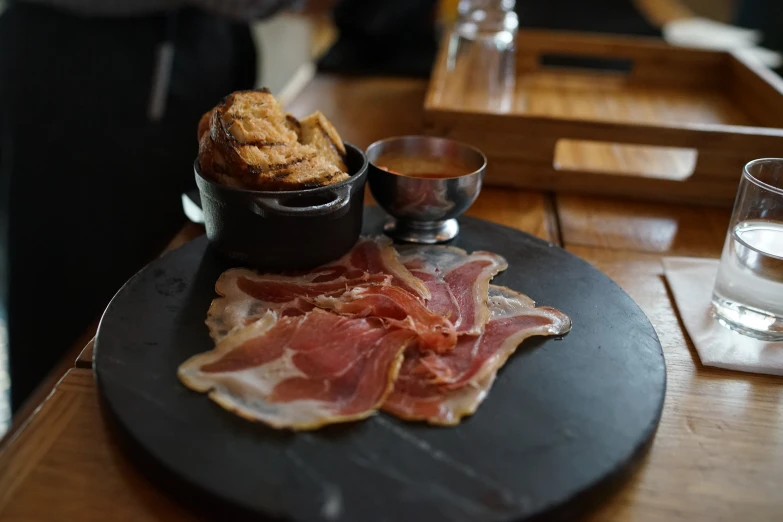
[(330, 302), (396, 267), (462, 401), (438, 261), (235, 390), (234, 309), (243, 392), (504, 303)]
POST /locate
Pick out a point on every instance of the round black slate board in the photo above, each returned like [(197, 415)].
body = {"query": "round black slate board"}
[(564, 420)]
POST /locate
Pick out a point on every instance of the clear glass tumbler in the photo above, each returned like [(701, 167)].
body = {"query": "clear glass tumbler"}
[(482, 56), (748, 294)]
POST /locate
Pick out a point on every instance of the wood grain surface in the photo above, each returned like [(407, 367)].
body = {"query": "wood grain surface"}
[(714, 457), (365, 109), (65, 466), (692, 105), (717, 451), (686, 230)]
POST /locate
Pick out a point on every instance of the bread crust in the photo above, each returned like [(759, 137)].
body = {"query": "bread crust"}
[(248, 140)]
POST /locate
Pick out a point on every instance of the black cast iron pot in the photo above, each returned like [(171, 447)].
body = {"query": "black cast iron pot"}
[(286, 230)]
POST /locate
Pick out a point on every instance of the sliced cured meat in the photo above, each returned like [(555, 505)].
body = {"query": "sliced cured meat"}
[(443, 388), (247, 295), (303, 350), (399, 308), (378, 256), (458, 282), (301, 372)]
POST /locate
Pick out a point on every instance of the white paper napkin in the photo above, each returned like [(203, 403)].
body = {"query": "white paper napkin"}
[(691, 281), (709, 34)]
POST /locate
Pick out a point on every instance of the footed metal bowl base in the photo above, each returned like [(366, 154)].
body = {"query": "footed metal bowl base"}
[(426, 232)]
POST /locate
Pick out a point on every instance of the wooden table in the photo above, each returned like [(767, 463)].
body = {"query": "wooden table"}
[(718, 451)]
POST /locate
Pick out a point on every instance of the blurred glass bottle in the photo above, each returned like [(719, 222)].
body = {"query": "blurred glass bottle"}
[(481, 60)]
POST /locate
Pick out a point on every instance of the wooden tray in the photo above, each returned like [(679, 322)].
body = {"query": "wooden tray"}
[(646, 119)]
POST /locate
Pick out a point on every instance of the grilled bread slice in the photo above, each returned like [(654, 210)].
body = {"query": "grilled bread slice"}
[(317, 131), (293, 124), (254, 142)]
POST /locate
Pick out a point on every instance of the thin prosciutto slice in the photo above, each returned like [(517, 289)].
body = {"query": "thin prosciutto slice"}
[(301, 372), (399, 308), (246, 295), (458, 282), (443, 388)]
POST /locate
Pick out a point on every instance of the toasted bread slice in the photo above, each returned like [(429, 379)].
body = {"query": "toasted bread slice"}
[(312, 172), (293, 124), (274, 158), (252, 141), (319, 132), (212, 163), (255, 118)]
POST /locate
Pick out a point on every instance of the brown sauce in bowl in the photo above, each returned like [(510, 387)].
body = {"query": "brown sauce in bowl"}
[(423, 167)]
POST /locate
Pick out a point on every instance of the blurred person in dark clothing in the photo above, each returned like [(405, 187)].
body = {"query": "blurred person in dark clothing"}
[(399, 37), (99, 103)]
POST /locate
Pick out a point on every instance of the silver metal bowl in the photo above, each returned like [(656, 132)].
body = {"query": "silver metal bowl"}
[(424, 210)]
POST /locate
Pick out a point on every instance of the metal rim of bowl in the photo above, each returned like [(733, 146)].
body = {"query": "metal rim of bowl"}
[(458, 143), (276, 193)]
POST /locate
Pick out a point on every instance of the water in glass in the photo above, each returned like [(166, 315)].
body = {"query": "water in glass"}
[(748, 293)]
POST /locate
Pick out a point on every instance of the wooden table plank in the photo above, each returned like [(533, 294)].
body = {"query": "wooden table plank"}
[(717, 451), (531, 212), (715, 456), (365, 110), (64, 466), (368, 109), (672, 229), (85, 356)]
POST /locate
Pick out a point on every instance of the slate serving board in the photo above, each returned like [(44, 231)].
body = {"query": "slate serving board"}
[(564, 422)]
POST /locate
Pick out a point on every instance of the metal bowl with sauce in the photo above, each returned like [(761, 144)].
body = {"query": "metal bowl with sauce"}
[(424, 183)]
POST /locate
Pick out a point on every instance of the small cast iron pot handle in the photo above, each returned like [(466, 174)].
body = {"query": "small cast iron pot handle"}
[(336, 207)]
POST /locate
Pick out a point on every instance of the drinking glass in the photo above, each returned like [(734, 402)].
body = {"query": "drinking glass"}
[(748, 294), (481, 55)]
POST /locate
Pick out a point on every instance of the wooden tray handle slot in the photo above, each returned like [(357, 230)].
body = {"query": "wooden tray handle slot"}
[(643, 60), (674, 163), (587, 62)]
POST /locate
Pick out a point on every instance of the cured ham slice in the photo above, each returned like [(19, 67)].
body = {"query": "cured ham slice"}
[(458, 282), (399, 308), (301, 372), (418, 332), (246, 295), (443, 388)]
